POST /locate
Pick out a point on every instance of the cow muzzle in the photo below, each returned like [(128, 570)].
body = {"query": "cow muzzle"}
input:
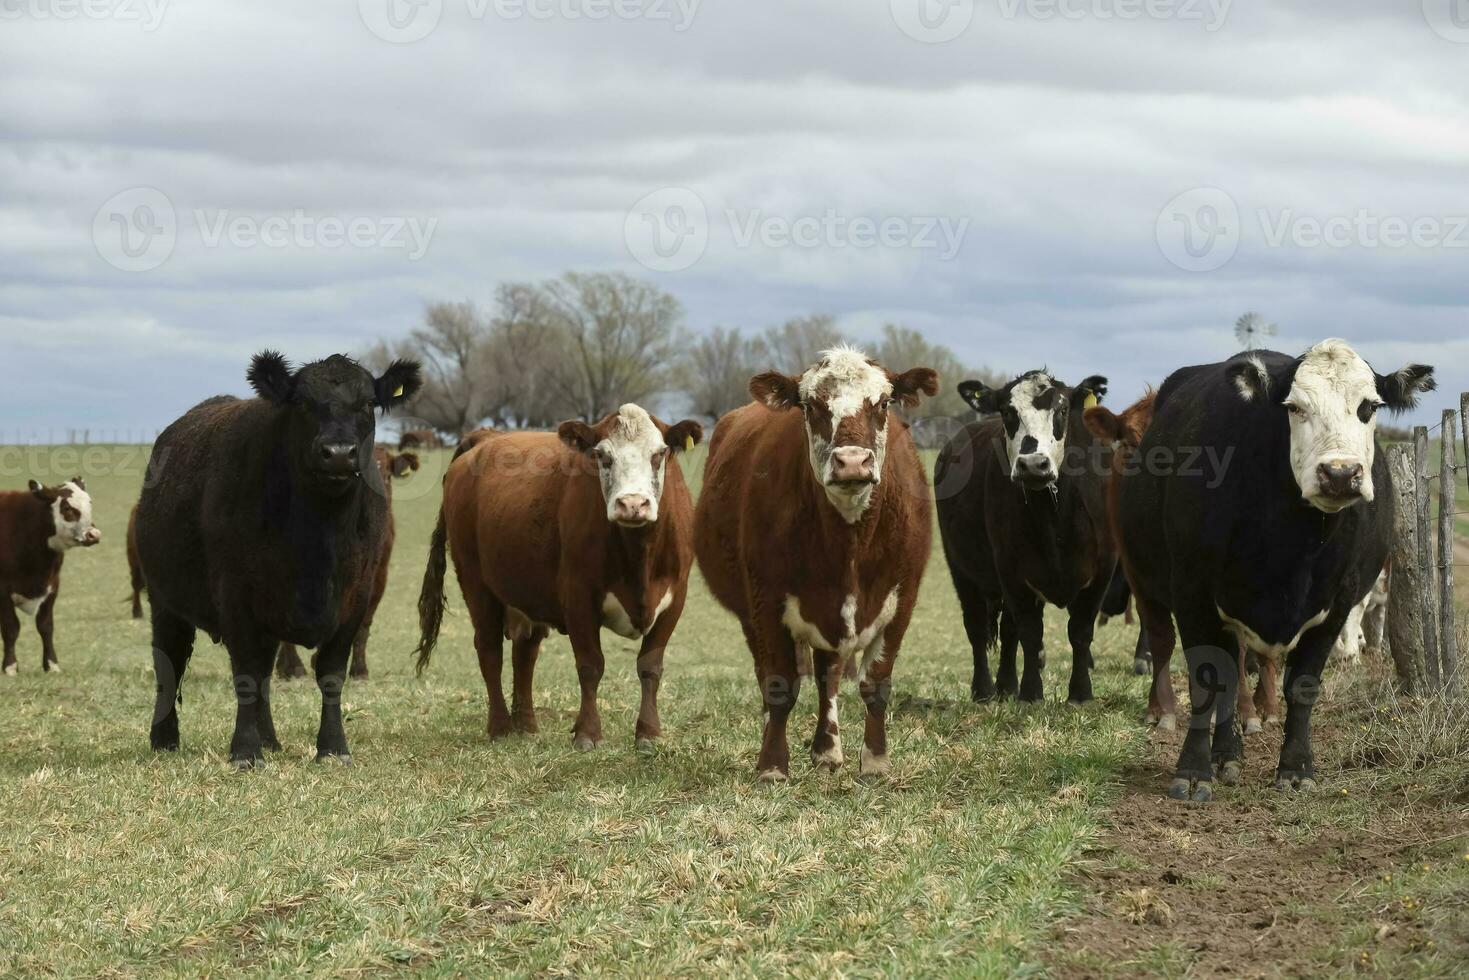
[(852, 466), (1034, 471), (1340, 485), (633, 510), (337, 460), (91, 537)]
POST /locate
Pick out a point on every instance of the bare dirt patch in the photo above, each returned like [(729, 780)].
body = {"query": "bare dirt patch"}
[(1254, 884)]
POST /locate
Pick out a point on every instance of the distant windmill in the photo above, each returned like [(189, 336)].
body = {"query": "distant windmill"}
[(1252, 328)]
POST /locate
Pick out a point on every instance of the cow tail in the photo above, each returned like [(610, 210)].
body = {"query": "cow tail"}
[(431, 597)]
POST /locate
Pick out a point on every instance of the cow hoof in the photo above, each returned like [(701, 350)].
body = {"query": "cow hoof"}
[(245, 765), (831, 760), (644, 746), (1291, 784), (1078, 701), (1186, 790), (1229, 773), (53, 668), (771, 777), (328, 758), (11, 670), (1253, 726), (582, 744), (1167, 723), (1142, 667), (871, 766), (1272, 719)]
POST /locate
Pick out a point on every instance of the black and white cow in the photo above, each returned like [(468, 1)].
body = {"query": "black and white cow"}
[(1275, 549), (1022, 513)]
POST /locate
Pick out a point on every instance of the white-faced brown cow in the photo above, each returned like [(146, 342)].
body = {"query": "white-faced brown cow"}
[(814, 528), (577, 530), (38, 527)]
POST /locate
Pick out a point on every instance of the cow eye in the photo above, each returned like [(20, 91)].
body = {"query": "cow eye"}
[(1367, 410), (1295, 410), (659, 456)]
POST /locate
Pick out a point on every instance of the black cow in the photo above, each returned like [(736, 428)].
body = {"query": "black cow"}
[(264, 523), (1273, 548), (1023, 518)]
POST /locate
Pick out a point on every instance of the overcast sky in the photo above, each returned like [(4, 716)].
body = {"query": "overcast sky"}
[(1101, 186)]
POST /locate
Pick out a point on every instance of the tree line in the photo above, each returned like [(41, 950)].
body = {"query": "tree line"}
[(581, 345)]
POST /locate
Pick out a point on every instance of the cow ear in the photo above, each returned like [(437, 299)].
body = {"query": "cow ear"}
[(980, 397), (79, 483), (775, 390), (38, 490), (398, 383), (684, 435), (1251, 379), (1090, 392), (578, 435), (1103, 423), (910, 384), (1400, 391), (403, 464), (271, 377)]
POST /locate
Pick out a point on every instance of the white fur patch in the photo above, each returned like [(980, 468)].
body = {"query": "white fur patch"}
[(1272, 651), (71, 534), (1330, 386), (629, 469), (616, 618), (1036, 423), (1247, 390), (30, 606), (848, 382), (867, 639)]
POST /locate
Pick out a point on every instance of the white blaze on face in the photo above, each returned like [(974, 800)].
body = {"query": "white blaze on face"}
[(1035, 437), (631, 461), (1334, 390), (71, 516), (846, 383)]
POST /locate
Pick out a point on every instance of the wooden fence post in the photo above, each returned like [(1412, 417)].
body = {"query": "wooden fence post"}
[(1448, 487), (1427, 595), (1405, 605)]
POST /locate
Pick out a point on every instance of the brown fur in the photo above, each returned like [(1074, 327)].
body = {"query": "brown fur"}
[(765, 530), (526, 523), (28, 567), (288, 662)]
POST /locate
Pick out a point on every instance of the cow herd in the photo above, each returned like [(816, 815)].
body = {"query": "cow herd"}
[(1244, 506)]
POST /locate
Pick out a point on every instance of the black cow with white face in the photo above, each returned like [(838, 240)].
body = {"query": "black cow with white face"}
[(1022, 514), (263, 524), (1275, 550)]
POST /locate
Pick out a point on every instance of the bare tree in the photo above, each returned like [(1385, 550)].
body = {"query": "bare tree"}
[(796, 344), (902, 348), (613, 338), (451, 346), (716, 372)]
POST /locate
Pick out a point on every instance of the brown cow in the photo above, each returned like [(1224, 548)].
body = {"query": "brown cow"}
[(288, 663), (1125, 431), (420, 439), (814, 528), (588, 527), (37, 528)]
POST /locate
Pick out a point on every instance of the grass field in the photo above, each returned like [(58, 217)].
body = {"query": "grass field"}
[(444, 853)]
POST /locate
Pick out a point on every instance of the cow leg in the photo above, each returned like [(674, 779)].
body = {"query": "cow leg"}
[(1297, 768), (488, 615), (1142, 660), (264, 721), (10, 630), (1162, 638), (586, 645), (1244, 705), (331, 680), (1267, 692), (250, 659), (1007, 679), (780, 686), (359, 653), (523, 655), (650, 671), (288, 663), (173, 644), (46, 627), (979, 626), (826, 743), (1081, 629), (1213, 670), (1030, 622)]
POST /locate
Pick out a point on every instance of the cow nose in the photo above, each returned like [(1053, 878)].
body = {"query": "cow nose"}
[(1340, 479), (851, 464), (93, 536), (338, 456), (1034, 468), (632, 508)]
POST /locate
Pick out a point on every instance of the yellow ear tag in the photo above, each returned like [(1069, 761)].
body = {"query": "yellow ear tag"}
[(1091, 400), (398, 392), (688, 444)]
